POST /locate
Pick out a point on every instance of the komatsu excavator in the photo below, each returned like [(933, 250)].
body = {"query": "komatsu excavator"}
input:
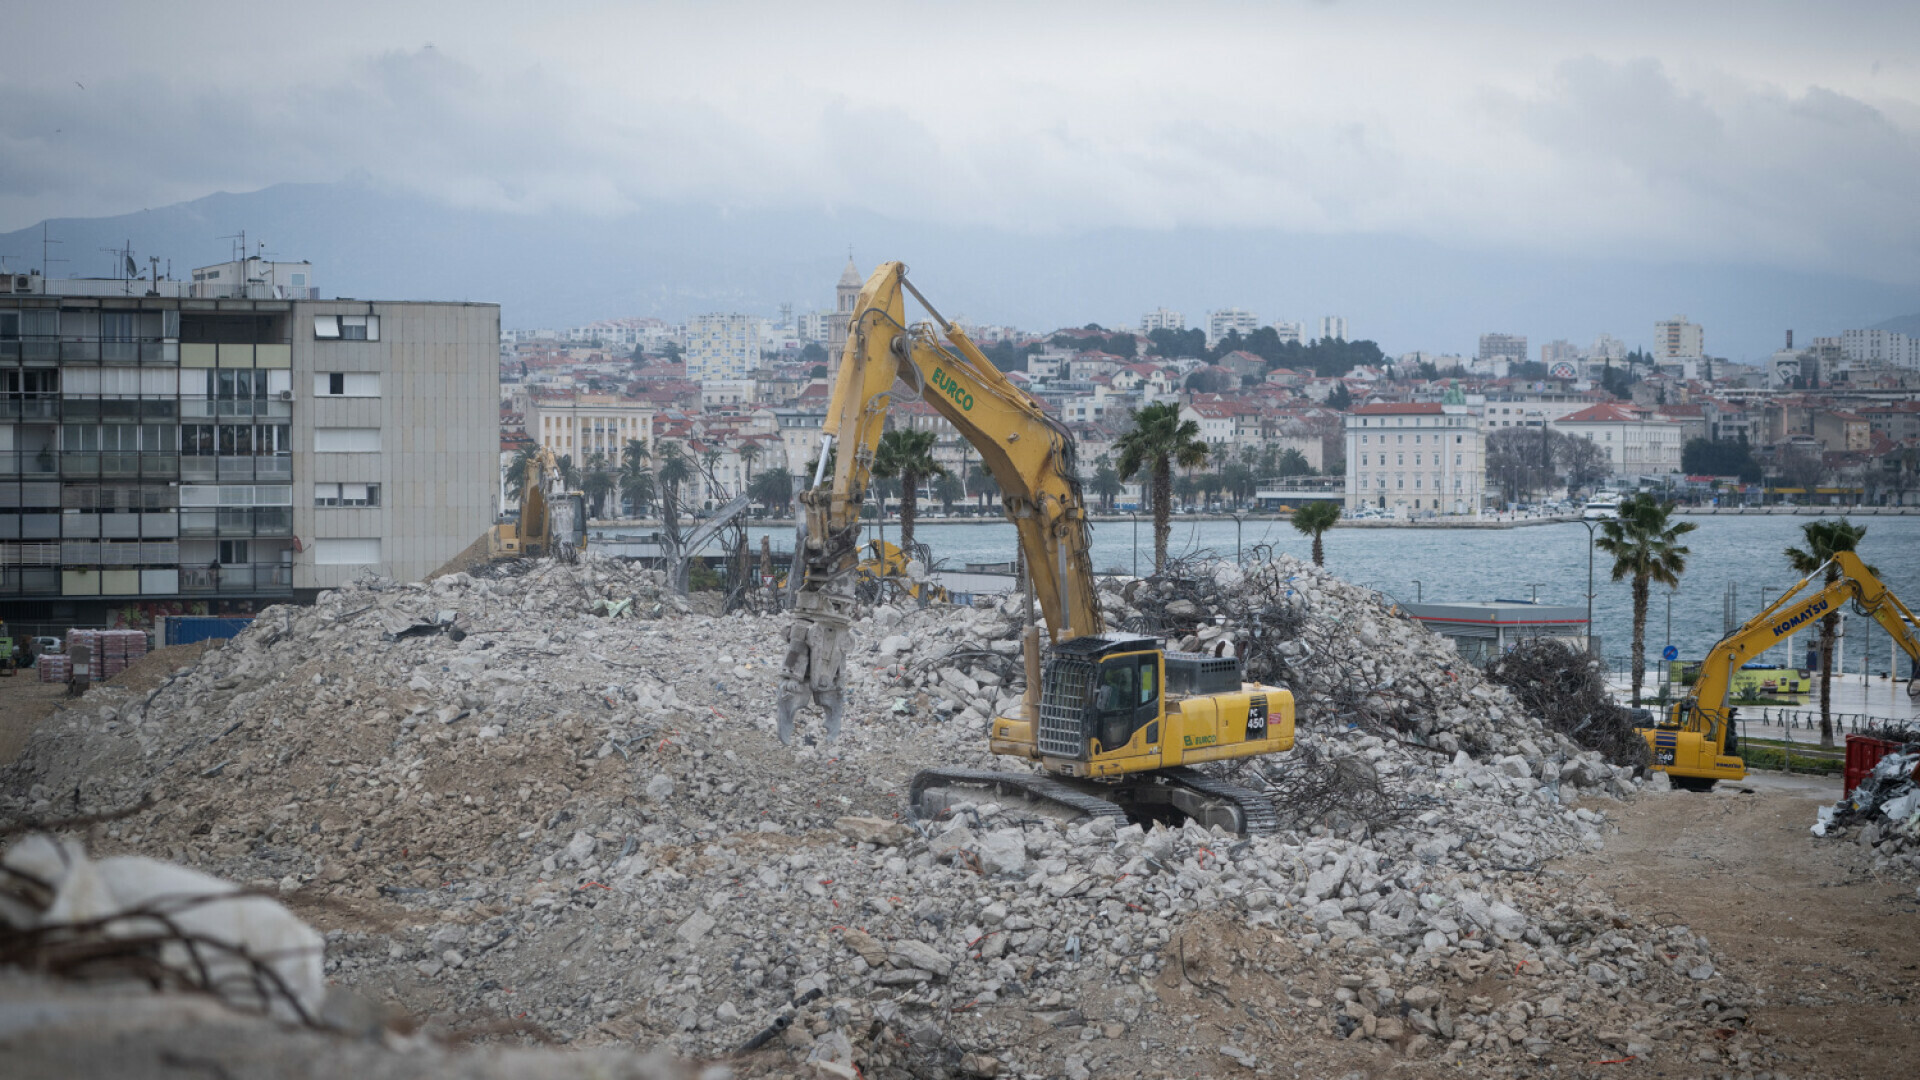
[(1114, 721), (1694, 743)]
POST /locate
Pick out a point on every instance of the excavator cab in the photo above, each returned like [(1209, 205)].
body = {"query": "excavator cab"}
[(1114, 704)]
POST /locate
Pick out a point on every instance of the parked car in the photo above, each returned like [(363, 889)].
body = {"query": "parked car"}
[(43, 645)]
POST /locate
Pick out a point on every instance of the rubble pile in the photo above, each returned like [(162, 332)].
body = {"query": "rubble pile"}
[(1885, 806), (1565, 687), (581, 824)]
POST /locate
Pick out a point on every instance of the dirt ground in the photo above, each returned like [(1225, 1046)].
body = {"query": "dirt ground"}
[(1831, 953), (25, 700)]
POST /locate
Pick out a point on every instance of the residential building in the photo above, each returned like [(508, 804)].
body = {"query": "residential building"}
[(1162, 319), (1416, 458), (1559, 351), (1291, 332), (1332, 326), (159, 453), (1881, 348), (1678, 339), (1509, 347), (722, 346), (1843, 432), (1238, 320), (1637, 442)]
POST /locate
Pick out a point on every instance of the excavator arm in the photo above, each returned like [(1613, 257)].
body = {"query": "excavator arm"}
[(1029, 454), (1705, 710)]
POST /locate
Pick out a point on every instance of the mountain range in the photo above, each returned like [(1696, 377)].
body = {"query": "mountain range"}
[(672, 260)]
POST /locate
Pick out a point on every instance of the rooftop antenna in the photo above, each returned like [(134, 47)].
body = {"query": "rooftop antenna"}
[(45, 259), (124, 268), (239, 250)]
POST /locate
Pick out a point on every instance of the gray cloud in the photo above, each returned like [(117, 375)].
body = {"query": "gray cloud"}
[(1783, 141)]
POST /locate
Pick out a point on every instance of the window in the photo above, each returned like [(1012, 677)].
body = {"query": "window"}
[(234, 552), (116, 326), (346, 494), (9, 326), (346, 384), (346, 440), (346, 551), (346, 327)]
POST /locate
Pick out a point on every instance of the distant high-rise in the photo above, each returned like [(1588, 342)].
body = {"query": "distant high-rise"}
[(723, 346), (1237, 320), (1559, 351), (1503, 346), (1678, 339), (1289, 332), (1162, 319), (1332, 326)]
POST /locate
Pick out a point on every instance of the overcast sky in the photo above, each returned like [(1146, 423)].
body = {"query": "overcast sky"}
[(1773, 134)]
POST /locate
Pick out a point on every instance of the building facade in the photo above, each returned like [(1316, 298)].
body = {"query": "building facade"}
[(1637, 443), (1219, 323), (165, 451), (586, 425), (722, 346), (1511, 347), (1332, 326), (1678, 339), (1162, 319), (1415, 458)]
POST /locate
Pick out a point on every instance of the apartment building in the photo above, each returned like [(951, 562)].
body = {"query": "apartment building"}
[(1510, 347), (167, 450), (722, 346), (1416, 458), (1678, 339), (1162, 319), (1237, 320), (1332, 326)]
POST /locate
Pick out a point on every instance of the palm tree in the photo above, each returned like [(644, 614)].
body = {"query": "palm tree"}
[(708, 459), (982, 484), (1240, 480), (635, 453), (948, 489), (676, 468), (908, 455), (1106, 484), (1647, 549), (1157, 442), (637, 487), (1186, 487), (569, 472), (773, 488), (517, 471), (749, 453), (1824, 540), (1314, 519), (597, 484)]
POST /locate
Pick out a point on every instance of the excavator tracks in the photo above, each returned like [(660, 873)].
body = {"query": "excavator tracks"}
[(1031, 785), (1195, 794)]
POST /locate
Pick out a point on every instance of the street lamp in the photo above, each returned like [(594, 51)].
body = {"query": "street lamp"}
[(1419, 591), (1237, 519), (1591, 525)]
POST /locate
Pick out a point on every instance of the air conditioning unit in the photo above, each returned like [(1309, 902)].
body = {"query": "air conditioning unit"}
[(286, 395), (16, 283)]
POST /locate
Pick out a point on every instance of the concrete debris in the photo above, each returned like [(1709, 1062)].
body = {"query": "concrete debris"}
[(1885, 806), (612, 846)]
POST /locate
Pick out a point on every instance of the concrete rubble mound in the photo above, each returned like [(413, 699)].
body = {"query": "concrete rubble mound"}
[(583, 825)]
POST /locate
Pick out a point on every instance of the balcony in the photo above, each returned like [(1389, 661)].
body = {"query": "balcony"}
[(29, 463), (45, 407), (256, 579)]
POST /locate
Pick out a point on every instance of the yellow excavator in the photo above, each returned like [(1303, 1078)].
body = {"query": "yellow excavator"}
[(1115, 722), (1694, 743), (553, 520), (885, 562)]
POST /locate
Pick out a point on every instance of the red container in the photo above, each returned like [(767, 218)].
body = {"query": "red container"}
[(1863, 754)]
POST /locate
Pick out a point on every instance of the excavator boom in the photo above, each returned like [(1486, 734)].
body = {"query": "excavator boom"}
[(1691, 745), (1028, 453)]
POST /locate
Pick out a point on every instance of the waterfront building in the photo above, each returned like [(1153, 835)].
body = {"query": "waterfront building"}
[(1414, 458)]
